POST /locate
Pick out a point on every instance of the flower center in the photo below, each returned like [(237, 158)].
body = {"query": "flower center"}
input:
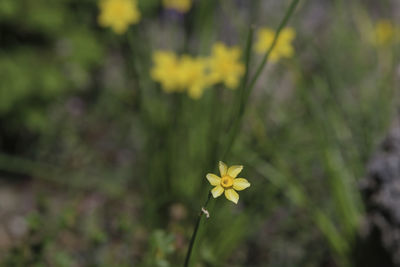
[(226, 181)]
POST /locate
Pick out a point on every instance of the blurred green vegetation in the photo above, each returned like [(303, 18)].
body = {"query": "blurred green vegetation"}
[(115, 168)]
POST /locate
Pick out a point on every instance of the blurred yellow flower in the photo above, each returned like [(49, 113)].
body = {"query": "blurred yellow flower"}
[(228, 182), (384, 33), (179, 74), (283, 47), (165, 70), (182, 6), (224, 65), (118, 14), (192, 76)]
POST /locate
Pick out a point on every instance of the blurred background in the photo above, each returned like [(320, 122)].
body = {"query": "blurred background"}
[(100, 166)]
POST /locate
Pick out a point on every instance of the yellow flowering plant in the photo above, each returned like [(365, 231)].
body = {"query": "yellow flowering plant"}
[(227, 182), (165, 70), (118, 14), (283, 47), (192, 76)]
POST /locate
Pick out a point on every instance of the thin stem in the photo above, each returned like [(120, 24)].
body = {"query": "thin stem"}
[(242, 89), (196, 228), (132, 63), (246, 93), (215, 121)]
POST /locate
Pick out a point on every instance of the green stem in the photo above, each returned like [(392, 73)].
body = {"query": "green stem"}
[(196, 228), (246, 93), (132, 64), (235, 126)]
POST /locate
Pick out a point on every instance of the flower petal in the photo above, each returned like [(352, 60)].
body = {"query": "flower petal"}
[(234, 170), (222, 168), (217, 191), (231, 195), (240, 184), (213, 179)]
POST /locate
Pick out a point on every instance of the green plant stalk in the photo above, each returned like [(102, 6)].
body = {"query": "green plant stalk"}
[(235, 126), (215, 120), (132, 63), (246, 93), (196, 228)]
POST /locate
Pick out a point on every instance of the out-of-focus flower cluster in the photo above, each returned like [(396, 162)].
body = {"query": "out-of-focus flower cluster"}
[(120, 14), (283, 47), (195, 74)]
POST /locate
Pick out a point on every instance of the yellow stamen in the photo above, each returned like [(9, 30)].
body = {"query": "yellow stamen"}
[(226, 181)]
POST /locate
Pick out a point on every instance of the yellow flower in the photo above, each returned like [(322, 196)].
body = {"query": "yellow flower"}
[(118, 14), (182, 6), (192, 76), (283, 47), (225, 66), (384, 33), (165, 70), (228, 182), (179, 74)]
